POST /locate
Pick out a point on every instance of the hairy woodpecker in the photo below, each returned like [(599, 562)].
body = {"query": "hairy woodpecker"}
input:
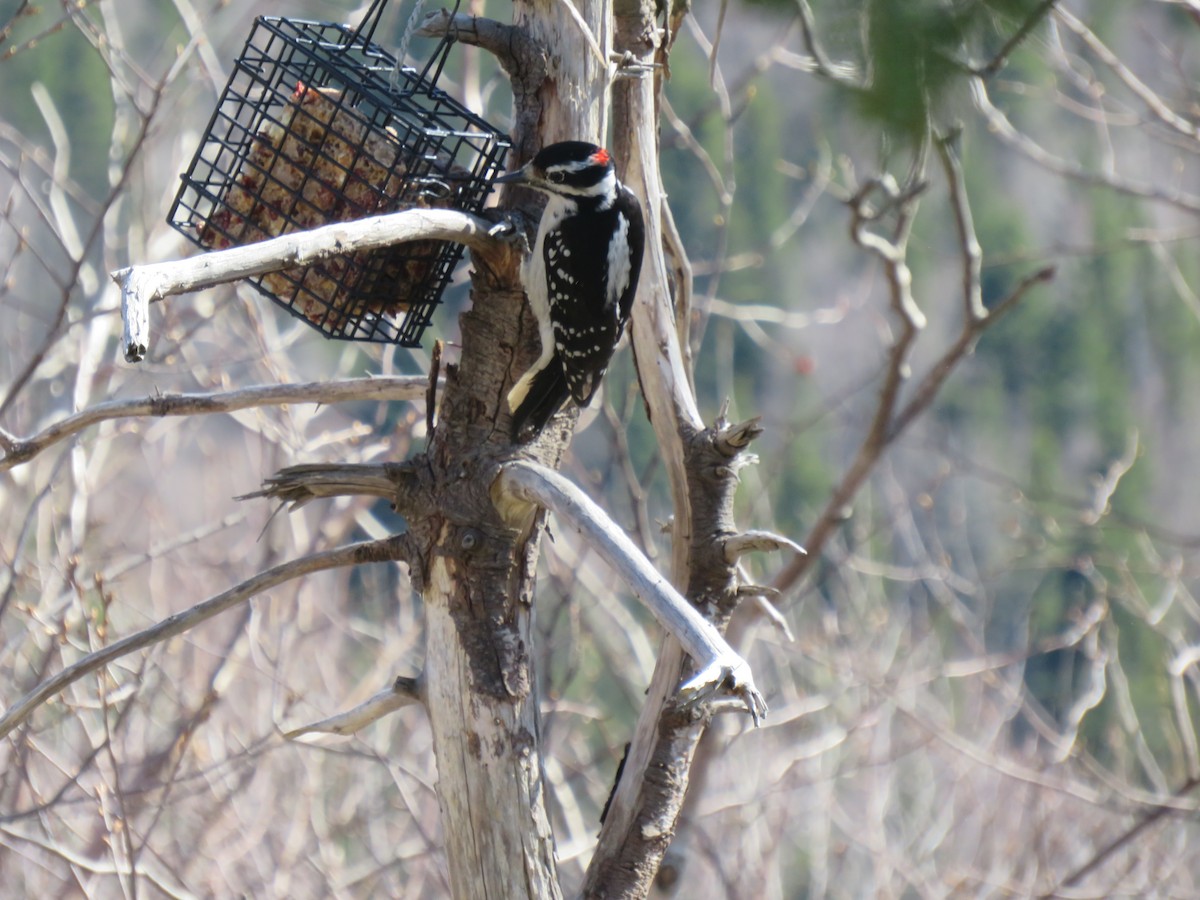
[(580, 277)]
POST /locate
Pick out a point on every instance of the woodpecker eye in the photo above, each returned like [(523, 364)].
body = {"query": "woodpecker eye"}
[(557, 177)]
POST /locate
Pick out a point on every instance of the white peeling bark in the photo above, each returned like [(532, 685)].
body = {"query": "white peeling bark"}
[(574, 95), (487, 756)]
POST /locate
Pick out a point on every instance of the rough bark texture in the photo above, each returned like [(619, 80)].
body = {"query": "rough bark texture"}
[(646, 806), (702, 465), (570, 102), (476, 576), (475, 573)]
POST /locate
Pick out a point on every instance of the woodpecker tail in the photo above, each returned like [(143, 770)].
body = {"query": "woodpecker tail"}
[(545, 396)]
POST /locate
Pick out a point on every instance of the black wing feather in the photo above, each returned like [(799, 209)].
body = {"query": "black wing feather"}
[(547, 393), (627, 205), (587, 325)]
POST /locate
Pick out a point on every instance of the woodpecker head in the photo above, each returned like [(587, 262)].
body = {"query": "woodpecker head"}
[(573, 169)]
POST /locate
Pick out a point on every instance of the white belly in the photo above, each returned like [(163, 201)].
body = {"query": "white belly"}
[(533, 273)]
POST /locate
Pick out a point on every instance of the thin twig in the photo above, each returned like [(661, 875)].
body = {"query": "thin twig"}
[(888, 422), (892, 252), (716, 43), (842, 75), (999, 125), (972, 253), (400, 693), (388, 549), (763, 602), (925, 392), (57, 318), (1121, 840), (163, 880), (837, 507), (1136, 86), (1001, 59), (21, 450)]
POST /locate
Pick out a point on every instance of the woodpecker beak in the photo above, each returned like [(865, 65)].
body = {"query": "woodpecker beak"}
[(521, 176)]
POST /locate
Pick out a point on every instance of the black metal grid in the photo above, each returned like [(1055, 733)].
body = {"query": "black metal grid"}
[(318, 125)]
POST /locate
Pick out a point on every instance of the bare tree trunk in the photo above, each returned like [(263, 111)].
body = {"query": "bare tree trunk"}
[(570, 103), (476, 578), (476, 575)]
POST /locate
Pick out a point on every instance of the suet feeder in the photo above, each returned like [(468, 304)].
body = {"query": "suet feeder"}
[(318, 125)]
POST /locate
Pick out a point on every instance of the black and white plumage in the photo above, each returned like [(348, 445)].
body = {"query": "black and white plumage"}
[(580, 278)]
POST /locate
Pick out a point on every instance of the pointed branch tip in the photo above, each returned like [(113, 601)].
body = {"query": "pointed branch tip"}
[(705, 684), (758, 541), (732, 439), (402, 692)]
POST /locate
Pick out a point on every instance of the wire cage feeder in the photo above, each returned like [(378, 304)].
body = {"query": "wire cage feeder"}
[(317, 125)]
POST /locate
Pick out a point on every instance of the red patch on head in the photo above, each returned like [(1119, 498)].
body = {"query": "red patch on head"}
[(600, 157)]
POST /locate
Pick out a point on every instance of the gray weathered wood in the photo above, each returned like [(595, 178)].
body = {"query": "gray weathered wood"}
[(142, 285), (719, 667)]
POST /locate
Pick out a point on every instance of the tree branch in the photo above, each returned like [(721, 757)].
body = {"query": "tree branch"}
[(141, 285), (757, 541), (645, 807), (972, 253), (1001, 58), (166, 882), (397, 482), (719, 666), (20, 450), (400, 693), (837, 508), (512, 46), (1136, 86), (1123, 839), (846, 76), (999, 125), (763, 597), (701, 465), (925, 392), (388, 549)]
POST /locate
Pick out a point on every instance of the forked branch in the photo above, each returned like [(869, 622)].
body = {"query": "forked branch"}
[(719, 667), (892, 417)]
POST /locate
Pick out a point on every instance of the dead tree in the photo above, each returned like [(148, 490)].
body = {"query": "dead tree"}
[(476, 503), (474, 522)]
